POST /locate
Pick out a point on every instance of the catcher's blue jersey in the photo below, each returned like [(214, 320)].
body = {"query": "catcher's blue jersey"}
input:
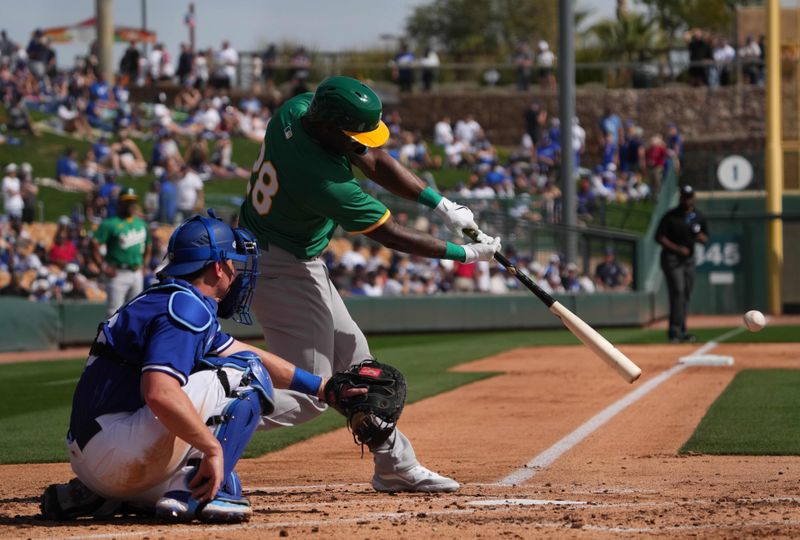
[(168, 328)]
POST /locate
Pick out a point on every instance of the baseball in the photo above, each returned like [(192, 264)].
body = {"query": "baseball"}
[(754, 320)]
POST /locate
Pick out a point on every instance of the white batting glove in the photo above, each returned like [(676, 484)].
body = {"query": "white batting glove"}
[(455, 216), (482, 251)]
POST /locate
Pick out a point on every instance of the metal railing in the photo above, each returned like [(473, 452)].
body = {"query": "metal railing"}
[(476, 75), (524, 237)]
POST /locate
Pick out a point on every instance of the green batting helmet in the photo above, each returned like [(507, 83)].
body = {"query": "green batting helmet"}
[(351, 106)]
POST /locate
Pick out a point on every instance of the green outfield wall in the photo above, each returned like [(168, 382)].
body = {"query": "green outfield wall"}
[(28, 325), (731, 268)]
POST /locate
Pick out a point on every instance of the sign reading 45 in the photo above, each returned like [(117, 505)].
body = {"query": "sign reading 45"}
[(720, 253)]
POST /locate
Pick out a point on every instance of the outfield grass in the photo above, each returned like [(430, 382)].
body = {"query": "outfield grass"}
[(757, 414), (35, 397)]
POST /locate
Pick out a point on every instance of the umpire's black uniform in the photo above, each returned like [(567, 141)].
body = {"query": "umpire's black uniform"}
[(678, 231)]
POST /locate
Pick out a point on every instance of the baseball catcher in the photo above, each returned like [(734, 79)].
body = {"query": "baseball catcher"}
[(371, 417), (168, 401)]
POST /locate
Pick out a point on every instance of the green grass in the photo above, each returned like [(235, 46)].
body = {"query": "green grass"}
[(757, 414), (35, 397)]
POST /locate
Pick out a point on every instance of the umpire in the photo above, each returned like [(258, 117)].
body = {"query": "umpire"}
[(677, 232)]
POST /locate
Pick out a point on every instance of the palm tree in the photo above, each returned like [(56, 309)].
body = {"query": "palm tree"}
[(622, 8), (632, 37)]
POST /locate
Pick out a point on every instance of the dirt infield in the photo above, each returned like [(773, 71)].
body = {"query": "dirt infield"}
[(618, 474)]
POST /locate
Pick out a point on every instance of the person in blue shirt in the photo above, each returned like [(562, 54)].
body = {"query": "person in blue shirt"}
[(168, 401), (109, 192), (610, 124), (403, 67), (68, 173), (674, 147), (168, 193), (102, 151)]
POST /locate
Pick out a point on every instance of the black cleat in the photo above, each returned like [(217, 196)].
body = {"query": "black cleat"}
[(73, 500)]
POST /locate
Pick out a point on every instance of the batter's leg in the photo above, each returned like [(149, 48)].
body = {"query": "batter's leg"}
[(396, 464), (293, 307)]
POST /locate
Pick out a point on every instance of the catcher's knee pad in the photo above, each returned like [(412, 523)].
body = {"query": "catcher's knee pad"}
[(254, 376)]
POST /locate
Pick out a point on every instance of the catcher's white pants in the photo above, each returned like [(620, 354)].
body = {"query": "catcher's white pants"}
[(134, 458), (306, 322)]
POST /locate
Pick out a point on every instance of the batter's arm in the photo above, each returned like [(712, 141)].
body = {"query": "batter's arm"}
[(395, 236), (389, 173), (386, 171)]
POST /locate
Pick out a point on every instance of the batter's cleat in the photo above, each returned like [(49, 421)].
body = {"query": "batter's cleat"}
[(417, 478), (179, 506)]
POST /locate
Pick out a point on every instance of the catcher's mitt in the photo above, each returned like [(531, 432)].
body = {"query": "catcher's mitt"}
[(373, 416)]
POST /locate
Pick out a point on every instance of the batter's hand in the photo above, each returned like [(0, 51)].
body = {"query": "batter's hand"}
[(208, 479), (483, 250), (455, 216)]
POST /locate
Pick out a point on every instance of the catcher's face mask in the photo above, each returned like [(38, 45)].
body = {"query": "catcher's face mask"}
[(236, 303), (201, 241)]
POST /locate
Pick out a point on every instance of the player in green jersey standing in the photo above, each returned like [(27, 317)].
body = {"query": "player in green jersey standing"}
[(127, 242), (302, 188)]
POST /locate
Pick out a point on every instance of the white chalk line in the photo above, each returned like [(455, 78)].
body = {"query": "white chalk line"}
[(677, 528), (564, 445)]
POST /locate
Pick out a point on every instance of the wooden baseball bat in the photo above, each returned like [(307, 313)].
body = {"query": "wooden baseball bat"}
[(588, 335)]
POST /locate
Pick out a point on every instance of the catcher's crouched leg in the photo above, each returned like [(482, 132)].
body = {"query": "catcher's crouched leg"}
[(372, 418), (233, 428)]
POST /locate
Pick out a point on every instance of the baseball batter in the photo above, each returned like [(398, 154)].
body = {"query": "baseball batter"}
[(168, 401), (301, 189)]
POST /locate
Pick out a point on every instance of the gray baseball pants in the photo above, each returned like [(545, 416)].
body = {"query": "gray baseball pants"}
[(123, 288), (306, 322)]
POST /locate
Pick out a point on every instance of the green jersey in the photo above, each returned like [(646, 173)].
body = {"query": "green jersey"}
[(125, 240), (299, 192)]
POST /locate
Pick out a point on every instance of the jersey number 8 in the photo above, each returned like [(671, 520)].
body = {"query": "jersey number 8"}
[(261, 191)]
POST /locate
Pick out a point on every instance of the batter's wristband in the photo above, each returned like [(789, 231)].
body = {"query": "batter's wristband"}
[(305, 382), (429, 197), (454, 252)]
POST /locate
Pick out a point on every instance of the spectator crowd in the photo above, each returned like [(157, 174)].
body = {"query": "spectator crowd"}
[(192, 135)]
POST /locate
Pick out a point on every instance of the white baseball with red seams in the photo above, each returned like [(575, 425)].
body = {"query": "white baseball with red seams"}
[(754, 320)]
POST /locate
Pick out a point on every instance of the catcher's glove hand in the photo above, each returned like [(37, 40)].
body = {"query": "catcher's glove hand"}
[(372, 416)]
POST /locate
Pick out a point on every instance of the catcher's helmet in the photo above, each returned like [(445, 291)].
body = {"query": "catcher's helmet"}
[(351, 106), (200, 241)]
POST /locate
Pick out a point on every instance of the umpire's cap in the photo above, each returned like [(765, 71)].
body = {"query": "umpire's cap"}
[(351, 106)]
